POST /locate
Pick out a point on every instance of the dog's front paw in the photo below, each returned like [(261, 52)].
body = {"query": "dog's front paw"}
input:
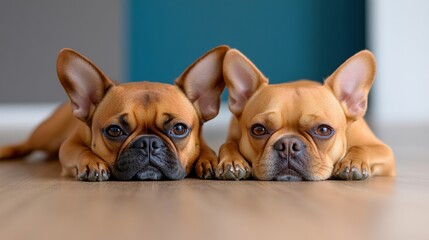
[(352, 167), (235, 168), (206, 165), (92, 170)]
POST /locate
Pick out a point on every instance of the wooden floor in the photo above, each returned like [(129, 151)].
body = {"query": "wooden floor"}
[(35, 203)]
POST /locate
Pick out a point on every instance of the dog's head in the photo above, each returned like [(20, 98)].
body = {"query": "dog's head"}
[(144, 130), (295, 131)]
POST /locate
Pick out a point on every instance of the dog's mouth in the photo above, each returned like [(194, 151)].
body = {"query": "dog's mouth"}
[(291, 169), (288, 175), (149, 173)]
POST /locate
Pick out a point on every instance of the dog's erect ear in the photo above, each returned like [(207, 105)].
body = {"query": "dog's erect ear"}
[(351, 83), (84, 83), (242, 79), (202, 82)]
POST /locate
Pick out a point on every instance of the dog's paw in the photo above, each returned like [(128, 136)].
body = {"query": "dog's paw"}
[(92, 170), (233, 169), (204, 169), (352, 169), (206, 165)]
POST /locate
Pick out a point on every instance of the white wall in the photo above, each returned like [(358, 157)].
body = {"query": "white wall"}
[(32, 33), (399, 37)]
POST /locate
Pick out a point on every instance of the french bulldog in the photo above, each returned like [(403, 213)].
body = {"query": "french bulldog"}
[(301, 130), (130, 131)]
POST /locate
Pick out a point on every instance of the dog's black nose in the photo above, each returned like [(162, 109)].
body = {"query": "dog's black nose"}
[(149, 144), (289, 146)]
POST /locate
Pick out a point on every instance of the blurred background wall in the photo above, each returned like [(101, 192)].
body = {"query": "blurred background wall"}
[(155, 40), (286, 39), (32, 33), (398, 33)]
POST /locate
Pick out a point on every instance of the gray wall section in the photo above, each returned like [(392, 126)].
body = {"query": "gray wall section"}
[(32, 33)]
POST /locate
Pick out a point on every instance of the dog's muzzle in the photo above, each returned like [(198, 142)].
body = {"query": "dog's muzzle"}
[(148, 158), (291, 159)]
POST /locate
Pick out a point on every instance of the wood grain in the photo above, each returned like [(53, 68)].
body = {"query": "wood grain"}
[(36, 203)]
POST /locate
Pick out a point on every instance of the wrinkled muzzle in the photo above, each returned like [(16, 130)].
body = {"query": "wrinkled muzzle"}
[(148, 157)]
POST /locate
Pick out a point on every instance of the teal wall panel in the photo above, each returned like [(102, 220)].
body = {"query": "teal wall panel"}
[(286, 39)]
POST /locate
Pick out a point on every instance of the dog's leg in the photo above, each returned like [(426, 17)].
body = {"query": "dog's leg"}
[(207, 162), (232, 165), (47, 137), (361, 162), (366, 155), (78, 160)]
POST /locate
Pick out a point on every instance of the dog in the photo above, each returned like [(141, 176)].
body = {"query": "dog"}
[(301, 130), (130, 131)]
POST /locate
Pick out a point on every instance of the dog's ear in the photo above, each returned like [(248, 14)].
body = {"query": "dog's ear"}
[(202, 82), (242, 79), (84, 83), (351, 83)]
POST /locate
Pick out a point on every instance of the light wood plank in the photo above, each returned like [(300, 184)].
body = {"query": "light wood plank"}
[(36, 203)]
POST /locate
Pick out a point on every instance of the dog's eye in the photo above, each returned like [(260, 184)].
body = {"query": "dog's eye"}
[(179, 130), (324, 131), (258, 130), (114, 131)]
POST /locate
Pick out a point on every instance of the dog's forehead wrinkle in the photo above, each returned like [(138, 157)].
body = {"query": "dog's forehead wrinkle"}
[(149, 97), (270, 118), (314, 114), (168, 117), (265, 115), (123, 119), (147, 92)]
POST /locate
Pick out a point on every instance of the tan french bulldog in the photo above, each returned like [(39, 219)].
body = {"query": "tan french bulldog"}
[(132, 131), (301, 130)]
